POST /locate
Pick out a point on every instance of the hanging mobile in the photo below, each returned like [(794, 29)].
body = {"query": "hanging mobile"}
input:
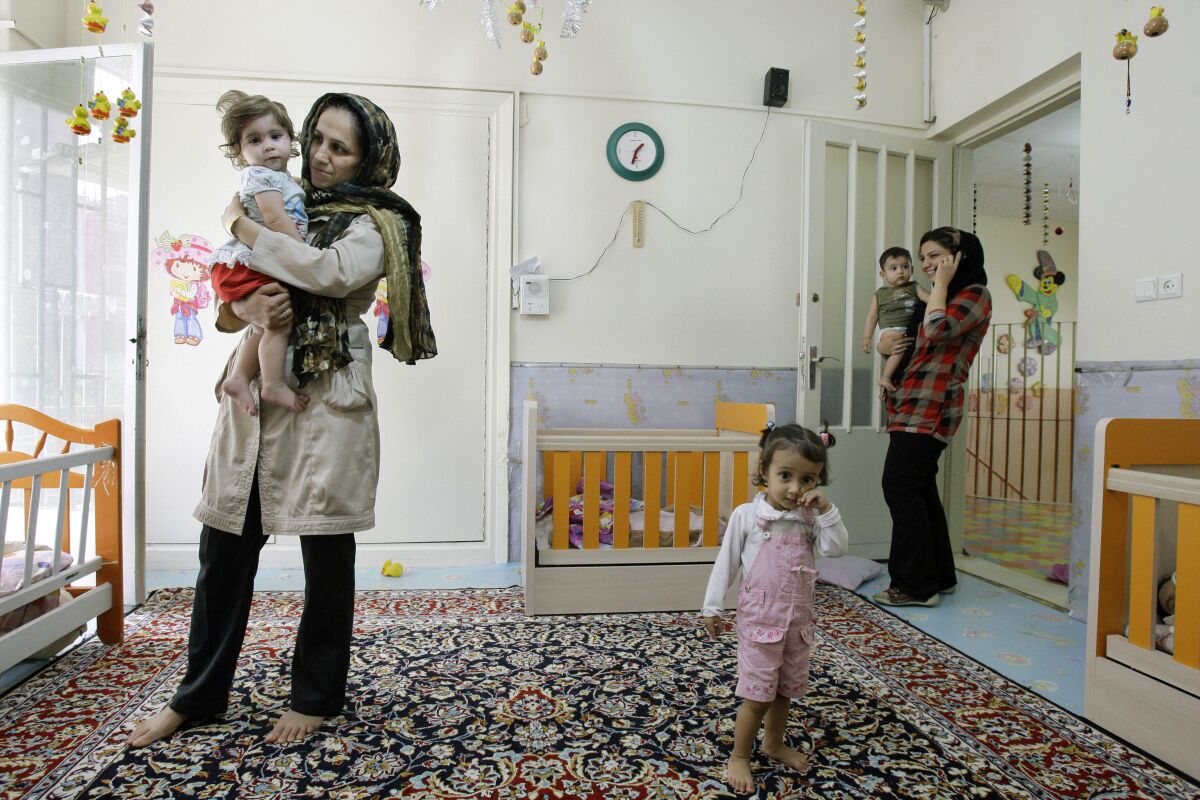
[(1157, 24), (1124, 50), (860, 64)]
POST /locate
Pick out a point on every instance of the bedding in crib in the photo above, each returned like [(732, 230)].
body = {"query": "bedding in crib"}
[(637, 521), (12, 574)]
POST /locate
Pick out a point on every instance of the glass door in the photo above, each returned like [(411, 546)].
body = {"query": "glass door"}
[(73, 245)]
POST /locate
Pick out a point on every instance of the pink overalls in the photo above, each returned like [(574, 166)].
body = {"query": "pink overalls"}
[(775, 611)]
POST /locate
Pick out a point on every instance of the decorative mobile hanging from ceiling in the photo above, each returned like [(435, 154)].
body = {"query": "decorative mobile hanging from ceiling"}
[(573, 13)]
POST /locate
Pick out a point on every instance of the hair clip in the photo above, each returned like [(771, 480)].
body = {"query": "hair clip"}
[(824, 437), (770, 425)]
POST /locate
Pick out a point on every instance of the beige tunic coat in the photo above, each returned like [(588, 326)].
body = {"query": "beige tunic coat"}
[(317, 469)]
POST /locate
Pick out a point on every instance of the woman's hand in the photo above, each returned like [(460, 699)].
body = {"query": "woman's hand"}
[(714, 626), (234, 210), (893, 342), (946, 268), (268, 306), (817, 499)]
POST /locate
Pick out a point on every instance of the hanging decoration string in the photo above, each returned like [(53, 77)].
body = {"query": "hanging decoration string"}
[(1028, 159), (1124, 50), (860, 63), (490, 25), (975, 208), (573, 12), (1045, 213)]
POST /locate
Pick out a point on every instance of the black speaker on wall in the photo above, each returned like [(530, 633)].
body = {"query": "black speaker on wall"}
[(775, 87)]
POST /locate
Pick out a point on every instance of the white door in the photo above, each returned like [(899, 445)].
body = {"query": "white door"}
[(864, 192), (73, 254), (442, 494)]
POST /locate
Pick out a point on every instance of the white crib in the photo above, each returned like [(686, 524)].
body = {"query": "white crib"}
[(1146, 490), (33, 475)]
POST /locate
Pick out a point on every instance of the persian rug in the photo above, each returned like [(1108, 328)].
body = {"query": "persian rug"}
[(456, 694)]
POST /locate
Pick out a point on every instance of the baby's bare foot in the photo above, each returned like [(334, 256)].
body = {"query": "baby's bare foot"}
[(886, 383), (281, 395), (238, 389), (786, 755), (160, 726), (294, 726), (738, 775)]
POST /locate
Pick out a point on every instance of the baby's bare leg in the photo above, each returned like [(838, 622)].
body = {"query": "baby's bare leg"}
[(237, 383), (272, 353), (773, 745), (889, 371)]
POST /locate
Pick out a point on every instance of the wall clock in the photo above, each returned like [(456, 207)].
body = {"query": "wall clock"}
[(635, 152)]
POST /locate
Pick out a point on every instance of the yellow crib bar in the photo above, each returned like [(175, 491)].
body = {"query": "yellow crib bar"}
[(652, 466), (1142, 585), (712, 498), (622, 481), (1187, 587), (741, 470), (593, 473), (685, 479), (562, 501)]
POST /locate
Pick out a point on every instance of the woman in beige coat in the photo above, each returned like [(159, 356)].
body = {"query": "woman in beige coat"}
[(313, 472)]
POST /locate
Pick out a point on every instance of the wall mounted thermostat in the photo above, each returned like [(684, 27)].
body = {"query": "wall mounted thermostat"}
[(535, 294)]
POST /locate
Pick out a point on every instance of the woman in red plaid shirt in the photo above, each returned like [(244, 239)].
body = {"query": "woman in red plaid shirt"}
[(925, 411)]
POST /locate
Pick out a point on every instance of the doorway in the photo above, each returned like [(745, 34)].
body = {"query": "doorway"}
[(1024, 195)]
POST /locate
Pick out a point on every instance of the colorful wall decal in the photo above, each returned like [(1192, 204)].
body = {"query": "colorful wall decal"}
[(184, 259)]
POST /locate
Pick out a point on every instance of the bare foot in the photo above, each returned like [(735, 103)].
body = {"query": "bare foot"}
[(281, 395), (886, 383), (738, 775), (784, 754), (238, 389), (160, 726), (293, 726)]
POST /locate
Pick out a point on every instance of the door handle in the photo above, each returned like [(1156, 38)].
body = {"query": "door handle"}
[(814, 359)]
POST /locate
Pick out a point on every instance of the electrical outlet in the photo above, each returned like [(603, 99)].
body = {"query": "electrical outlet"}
[(1170, 285), (1145, 289)]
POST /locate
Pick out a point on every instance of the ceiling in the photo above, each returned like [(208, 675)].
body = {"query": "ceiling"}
[(1000, 175)]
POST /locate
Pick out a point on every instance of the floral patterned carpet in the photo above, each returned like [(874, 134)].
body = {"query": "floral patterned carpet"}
[(457, 694)]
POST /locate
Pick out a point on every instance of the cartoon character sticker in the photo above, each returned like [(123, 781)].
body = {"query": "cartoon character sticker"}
[(1040, 333), (382, 311), (185, 260)]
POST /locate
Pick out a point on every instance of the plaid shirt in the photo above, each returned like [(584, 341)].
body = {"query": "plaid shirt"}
[(930, 397)]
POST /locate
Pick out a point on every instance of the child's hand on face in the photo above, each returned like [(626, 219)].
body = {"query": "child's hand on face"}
[(714, 626), (816, 498)]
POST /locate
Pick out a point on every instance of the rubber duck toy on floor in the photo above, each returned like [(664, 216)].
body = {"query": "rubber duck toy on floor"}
[(78, 122), (393, 569), (121, 132), (128, 104), (100, 106), (94, 20)]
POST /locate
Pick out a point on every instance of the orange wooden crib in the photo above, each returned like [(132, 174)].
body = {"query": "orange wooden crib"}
[(671, 491)]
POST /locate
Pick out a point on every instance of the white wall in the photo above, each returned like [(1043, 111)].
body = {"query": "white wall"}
[(1138, 172)]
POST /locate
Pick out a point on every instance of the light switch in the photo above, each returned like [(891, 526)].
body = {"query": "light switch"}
[(1145, 289)]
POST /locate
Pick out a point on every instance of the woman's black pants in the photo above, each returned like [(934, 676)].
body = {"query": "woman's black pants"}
[(224, 589), (921, 561)]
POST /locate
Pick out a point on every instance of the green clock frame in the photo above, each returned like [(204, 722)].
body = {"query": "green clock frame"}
[(624, 171)]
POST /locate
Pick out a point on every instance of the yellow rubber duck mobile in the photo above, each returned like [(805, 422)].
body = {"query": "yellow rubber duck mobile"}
[(94, 20)]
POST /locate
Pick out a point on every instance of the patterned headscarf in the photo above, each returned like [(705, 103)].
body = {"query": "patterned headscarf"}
[(409, 333)]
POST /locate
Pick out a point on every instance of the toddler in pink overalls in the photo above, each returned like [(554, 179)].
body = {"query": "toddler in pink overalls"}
[(772, 539)]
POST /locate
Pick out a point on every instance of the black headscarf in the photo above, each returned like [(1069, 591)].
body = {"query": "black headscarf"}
[(399, 223), (970, 273)]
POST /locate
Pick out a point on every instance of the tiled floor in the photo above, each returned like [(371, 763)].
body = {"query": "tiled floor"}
[(1031, 537), (1034, 645)]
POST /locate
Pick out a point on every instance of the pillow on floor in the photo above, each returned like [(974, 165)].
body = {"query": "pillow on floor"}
[(847, 571)]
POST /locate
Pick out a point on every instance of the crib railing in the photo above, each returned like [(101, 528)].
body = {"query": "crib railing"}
[(679, 471), (1150, 697), (100, 485)]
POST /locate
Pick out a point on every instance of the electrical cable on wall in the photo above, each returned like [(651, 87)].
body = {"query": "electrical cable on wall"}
[(711, 225)]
